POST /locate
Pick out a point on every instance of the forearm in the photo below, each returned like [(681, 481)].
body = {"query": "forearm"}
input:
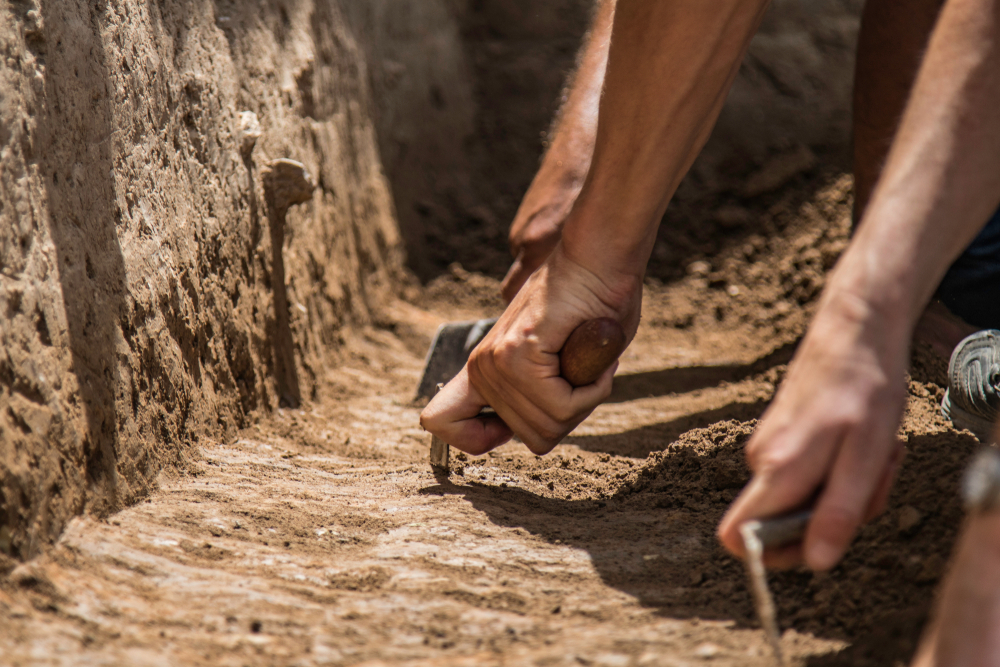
[(669, 69), (941, 181), (571, 140), (537, 226)]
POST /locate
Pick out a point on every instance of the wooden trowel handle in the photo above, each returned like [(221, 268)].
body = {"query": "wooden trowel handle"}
[(590, 350)]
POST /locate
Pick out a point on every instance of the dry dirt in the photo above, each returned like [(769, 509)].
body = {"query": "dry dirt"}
[(152, 298), (321, 535)]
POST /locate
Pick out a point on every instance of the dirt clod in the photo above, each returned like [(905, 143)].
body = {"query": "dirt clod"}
[(909, 518)]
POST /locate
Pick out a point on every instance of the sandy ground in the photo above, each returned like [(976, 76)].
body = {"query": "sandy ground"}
[(322, 536)]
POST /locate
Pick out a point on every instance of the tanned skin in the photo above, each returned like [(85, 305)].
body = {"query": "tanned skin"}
[(647, 137), (963, 629), (548, 201), (831, 428), (891, 46), (940, 183)]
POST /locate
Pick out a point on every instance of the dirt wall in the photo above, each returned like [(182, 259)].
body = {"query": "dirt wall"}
[(151, 292), (458, 179), (138, 271)]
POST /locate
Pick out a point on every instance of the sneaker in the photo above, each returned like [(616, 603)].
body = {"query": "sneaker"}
[(972, 401)]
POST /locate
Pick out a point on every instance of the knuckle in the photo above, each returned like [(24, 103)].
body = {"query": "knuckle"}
[(504, 353), (752, 451), (770, 461), (475, 449), (474, 367), (563, 414), (606, 392), (540, 448), (551, 434)]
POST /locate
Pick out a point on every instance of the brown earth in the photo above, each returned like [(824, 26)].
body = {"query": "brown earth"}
[(138, 273), (148, 366), (321, 535), (152, 295)]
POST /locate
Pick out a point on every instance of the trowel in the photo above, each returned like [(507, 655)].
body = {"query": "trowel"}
[(589, 351), (449, 352), (758, 535)]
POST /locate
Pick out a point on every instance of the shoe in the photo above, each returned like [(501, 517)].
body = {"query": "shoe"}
[(972, 401)]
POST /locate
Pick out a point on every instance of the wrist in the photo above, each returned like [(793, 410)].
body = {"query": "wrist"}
[(615, 289), (885, 326), (614, 243), (875, 287)]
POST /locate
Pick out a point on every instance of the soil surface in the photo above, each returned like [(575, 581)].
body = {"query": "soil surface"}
[(154, 294), (322, 536)]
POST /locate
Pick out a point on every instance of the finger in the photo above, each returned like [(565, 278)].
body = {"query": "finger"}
[(553, 408), (542, 427), (881, 496), (842, 506), (784, 480), (452, 415), (521, 415), (783, 558), (559, 402), (550, 392)]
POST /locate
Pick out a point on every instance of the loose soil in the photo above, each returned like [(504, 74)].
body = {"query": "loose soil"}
[(322, 536)]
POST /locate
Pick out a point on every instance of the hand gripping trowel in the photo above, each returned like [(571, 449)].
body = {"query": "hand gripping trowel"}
[(590, 349)]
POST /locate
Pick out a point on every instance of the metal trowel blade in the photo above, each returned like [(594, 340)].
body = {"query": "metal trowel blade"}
[(450, 351)]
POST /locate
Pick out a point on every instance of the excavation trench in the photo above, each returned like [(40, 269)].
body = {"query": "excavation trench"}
[(209, 449), (322, 536)]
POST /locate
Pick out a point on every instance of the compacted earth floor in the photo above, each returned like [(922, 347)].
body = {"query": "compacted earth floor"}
[(322, 536)]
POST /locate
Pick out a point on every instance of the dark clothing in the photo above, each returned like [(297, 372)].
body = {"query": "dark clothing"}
[(971, 288)]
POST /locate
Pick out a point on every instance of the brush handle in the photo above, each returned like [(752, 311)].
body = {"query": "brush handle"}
[(590, 350)]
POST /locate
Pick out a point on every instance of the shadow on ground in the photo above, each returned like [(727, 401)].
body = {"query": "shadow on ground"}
[(653, 538), (690, 378)]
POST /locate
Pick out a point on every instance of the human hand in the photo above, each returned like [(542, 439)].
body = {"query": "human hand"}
[(539, 220), (515, 369), (831, 431), (532, 238)]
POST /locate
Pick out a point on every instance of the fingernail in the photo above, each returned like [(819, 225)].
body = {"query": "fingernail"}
[(822, 555)]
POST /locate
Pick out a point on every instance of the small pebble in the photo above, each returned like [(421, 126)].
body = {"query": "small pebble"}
[(909, 518), (707, 651), (699, 268)]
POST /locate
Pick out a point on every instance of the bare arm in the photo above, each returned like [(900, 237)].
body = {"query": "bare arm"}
[(833, 423), (669, 68), (540, 217)]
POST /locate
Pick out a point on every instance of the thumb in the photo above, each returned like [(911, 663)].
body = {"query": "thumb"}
[(453, 416)]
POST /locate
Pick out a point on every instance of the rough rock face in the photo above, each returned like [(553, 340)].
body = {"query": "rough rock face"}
[(137, 259)]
